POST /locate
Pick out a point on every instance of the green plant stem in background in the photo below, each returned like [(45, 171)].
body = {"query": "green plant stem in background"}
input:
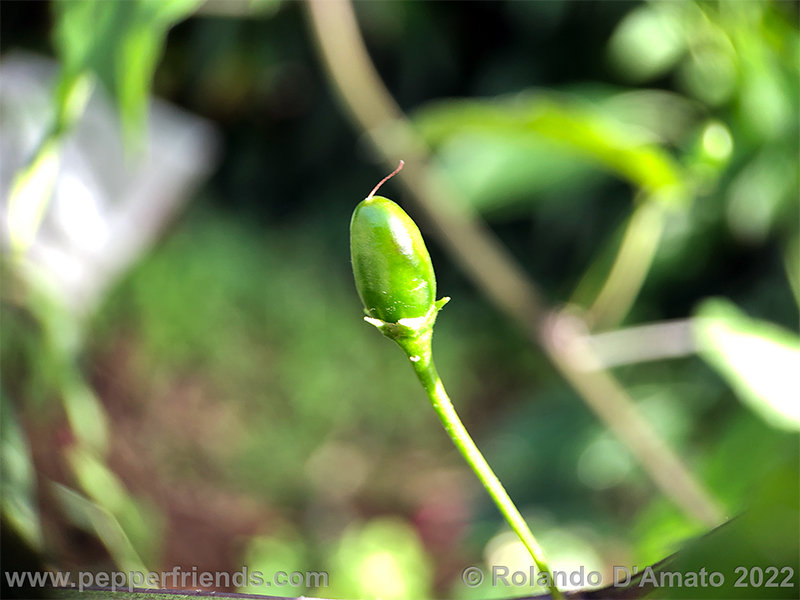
[(419, 353)]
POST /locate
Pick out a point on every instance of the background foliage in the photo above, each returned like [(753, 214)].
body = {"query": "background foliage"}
[(226, 406)]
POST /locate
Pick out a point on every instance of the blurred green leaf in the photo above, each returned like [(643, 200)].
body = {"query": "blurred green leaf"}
[(30, 193), (555, 138), (265, 8), (710, 71), (138, 55), (72, 96), (56, 363), (383, 558), (762, 539), (121, 43), (163, 13), (18, 478), (86, 415), (761, 192), (92, 517), (791, 263), (83, 29), (758, 359), (670, 117), (272, 554), (494, 171), (97, 480), (227, 339), (649, 41), (734, 445), (139, 523), (767, 101)]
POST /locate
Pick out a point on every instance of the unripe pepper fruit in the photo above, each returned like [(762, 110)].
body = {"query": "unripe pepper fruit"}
[(391, 265)]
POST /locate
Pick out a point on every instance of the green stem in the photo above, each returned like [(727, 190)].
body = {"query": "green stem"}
[(419, 352)]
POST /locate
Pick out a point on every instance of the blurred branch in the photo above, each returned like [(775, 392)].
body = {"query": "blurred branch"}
[(486, 261)]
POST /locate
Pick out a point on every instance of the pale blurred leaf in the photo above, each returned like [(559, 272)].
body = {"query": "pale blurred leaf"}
[(139, 521), (710, 74), (758, 359), (761, 193), (496, 170), (94, 518), (668, 116), (97, 480), (648, 42)]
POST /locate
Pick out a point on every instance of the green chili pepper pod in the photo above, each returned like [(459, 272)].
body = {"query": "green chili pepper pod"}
[(391, 265)]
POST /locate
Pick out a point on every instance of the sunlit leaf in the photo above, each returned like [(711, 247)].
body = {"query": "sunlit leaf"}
[(582, 130), (30, 192), (72, 96), (136, 62), (97, 480), (758, 359), (33, 186)]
